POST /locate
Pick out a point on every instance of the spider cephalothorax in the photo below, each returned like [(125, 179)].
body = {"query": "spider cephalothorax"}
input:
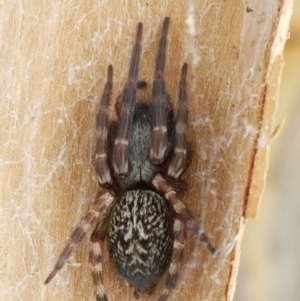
[(137, 162)]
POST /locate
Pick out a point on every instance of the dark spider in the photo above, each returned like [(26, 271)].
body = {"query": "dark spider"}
[(138, 161)]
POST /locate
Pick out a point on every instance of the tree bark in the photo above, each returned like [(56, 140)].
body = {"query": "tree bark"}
[(53, 62)]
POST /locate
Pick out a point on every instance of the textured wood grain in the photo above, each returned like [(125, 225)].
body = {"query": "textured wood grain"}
[(54, 61)]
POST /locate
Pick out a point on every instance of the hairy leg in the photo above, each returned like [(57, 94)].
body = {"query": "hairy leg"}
[(95, 258), (120, 150), (178, 160), (100, 208), (183, 221), (101, 163), (159, 102), (181, 211), (178, 246)]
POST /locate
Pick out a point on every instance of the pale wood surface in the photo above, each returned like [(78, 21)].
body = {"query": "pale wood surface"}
[(53, 61), (269, 267)]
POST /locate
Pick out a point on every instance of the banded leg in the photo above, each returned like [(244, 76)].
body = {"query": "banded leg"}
[(120, 150), (95, 258), (178, 160), (101, 206), (181, 211), (101, 164), (183, 221), (172, 274), (141, 84), (159, 102)]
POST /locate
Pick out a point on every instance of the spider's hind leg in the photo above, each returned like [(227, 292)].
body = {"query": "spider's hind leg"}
[(178, 246), (181, 212), (95, 258), (183, 221), (100, 207)]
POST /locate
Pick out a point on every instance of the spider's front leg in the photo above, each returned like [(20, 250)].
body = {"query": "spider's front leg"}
[(159, 102), (120, 148)]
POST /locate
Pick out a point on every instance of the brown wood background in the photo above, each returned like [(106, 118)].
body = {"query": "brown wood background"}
[(53, 65)]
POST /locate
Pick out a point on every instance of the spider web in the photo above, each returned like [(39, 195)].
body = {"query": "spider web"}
[(53, 69)]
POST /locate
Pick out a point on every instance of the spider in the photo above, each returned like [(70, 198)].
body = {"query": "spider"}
[(139, 161)]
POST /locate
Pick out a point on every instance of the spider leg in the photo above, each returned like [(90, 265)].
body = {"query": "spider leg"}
[(118, 106), (159, 102), (181, 211), (101, 205), (120, 150), (178, 245), (183, 221), (141, 84), (95, 258), (101, 164), (178, 160)]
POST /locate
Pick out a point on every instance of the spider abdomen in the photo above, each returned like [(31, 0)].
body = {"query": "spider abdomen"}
[(140, 239)]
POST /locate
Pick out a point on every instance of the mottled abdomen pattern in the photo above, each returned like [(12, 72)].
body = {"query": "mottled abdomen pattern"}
[(140, 238)]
